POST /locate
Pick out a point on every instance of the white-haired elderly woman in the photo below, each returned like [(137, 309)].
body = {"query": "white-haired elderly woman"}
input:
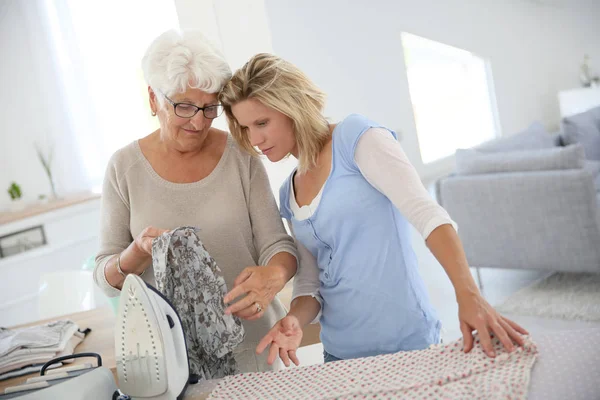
[(187, 173)]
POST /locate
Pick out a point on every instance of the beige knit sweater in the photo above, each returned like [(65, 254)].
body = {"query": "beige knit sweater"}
[(233, 206)]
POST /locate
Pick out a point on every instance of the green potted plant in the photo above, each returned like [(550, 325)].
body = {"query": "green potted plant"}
[(16, 195)]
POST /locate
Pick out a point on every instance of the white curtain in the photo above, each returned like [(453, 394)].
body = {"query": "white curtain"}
[(35, 106), (73, 83), (99, 47)]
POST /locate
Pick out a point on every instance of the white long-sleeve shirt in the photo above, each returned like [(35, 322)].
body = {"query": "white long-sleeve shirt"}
[(383, 163)]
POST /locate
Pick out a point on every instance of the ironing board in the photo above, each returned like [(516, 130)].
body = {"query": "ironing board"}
[(567, 367)]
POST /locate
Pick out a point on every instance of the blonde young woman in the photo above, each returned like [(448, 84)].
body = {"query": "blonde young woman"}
[(349, 204)]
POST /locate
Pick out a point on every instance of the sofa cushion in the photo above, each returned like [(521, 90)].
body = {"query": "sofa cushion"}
[(473, 162), (534, 137), (584, 128), (593, 167)]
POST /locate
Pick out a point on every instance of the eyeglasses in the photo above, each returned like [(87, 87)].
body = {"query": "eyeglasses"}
[(186, 110)]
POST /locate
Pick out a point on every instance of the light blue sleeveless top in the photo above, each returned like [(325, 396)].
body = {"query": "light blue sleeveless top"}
[(374, 300)]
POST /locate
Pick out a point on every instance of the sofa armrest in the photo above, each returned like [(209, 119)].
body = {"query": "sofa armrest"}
[(527, 220)]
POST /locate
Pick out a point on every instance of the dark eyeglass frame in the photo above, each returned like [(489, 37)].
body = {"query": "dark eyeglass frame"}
[(218, 106)]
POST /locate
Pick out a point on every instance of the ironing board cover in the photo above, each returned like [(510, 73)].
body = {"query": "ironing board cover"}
[(190, 278), (442, 371)]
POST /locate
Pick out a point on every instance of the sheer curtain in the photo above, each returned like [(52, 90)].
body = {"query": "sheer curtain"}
[(98, 47), (35, 107), (96, 50)]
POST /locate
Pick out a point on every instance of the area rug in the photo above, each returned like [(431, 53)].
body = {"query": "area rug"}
[(567, 296)]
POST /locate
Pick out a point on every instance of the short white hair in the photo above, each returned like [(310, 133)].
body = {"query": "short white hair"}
[(177, 60)]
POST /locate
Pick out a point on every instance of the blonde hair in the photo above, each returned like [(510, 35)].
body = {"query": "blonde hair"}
[(281, 86)]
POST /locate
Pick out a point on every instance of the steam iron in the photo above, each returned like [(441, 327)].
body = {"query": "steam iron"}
[(151, 353)]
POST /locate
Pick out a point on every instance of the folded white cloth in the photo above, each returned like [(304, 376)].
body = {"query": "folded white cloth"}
[(28, 346), (45, 336)]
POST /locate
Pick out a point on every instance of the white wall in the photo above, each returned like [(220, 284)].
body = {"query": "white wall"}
[(241, 29), (352, 49)]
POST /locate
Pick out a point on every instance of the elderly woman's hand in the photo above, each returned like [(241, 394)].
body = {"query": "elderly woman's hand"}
[(260, 285), (143, 242), (475, 313), (135, 258)]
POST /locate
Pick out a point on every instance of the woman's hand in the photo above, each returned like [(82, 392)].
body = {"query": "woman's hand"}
[(143, 241), (475, 313), (284, 339), (259, 285), (137, 259), (134, 259)]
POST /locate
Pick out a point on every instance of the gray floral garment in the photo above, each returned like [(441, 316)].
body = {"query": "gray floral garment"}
[(190, 278)]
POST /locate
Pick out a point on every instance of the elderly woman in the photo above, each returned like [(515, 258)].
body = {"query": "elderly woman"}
[(187, 173)]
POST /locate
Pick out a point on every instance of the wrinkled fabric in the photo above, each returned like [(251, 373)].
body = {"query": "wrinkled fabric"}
[(47, 337), (189, 277), (439, 372)]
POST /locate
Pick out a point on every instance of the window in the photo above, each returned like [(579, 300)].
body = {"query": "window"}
[(452, 97)]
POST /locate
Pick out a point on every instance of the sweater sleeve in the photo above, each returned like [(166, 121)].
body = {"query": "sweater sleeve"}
[(269, 233), (115, 232)]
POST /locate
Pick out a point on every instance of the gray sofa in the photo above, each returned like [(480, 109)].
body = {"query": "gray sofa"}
[(530, 201)]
